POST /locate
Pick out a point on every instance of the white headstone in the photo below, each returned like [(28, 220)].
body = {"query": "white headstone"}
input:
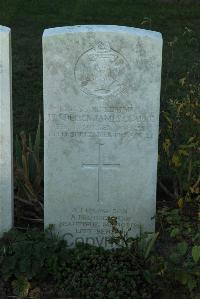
[(101, 107), (6, 186)]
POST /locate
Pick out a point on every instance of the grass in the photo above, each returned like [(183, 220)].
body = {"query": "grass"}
[(29, 18)]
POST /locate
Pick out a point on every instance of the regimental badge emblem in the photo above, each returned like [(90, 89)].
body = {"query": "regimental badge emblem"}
[(102, 71)]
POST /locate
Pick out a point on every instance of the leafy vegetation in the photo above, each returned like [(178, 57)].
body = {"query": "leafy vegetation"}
[(138, 270), (181, 230), (179, 150), (181, 147)]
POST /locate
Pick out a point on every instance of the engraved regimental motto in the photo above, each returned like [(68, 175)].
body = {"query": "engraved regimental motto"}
[(101, 71)]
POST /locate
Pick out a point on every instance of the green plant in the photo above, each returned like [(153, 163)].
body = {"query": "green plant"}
[(179, 163), (30, 255), (84, 271), (140, 270), (142, 247), (141, 244), (180, 146), (182, 257), (21, 287)]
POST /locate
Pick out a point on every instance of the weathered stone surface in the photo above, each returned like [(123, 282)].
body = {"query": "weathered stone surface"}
[(101, 113), (6, 188)]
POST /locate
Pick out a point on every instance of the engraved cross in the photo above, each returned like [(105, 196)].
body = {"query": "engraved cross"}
[(100, 165)]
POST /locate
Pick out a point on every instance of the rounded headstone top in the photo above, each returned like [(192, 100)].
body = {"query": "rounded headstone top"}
[(102, 28), (4, 29)]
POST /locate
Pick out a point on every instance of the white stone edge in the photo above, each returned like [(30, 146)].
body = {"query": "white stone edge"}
[(101, 28), (4, 29), (5, 225)]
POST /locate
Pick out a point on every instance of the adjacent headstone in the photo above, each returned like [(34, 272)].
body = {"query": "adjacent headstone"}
[(6, 187), (101, 107)]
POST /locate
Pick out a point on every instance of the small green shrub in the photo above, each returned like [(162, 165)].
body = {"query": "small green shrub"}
[(182, 258), (140, 245), (84, 271), (139, 269), (179, 136), (180, 144)]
